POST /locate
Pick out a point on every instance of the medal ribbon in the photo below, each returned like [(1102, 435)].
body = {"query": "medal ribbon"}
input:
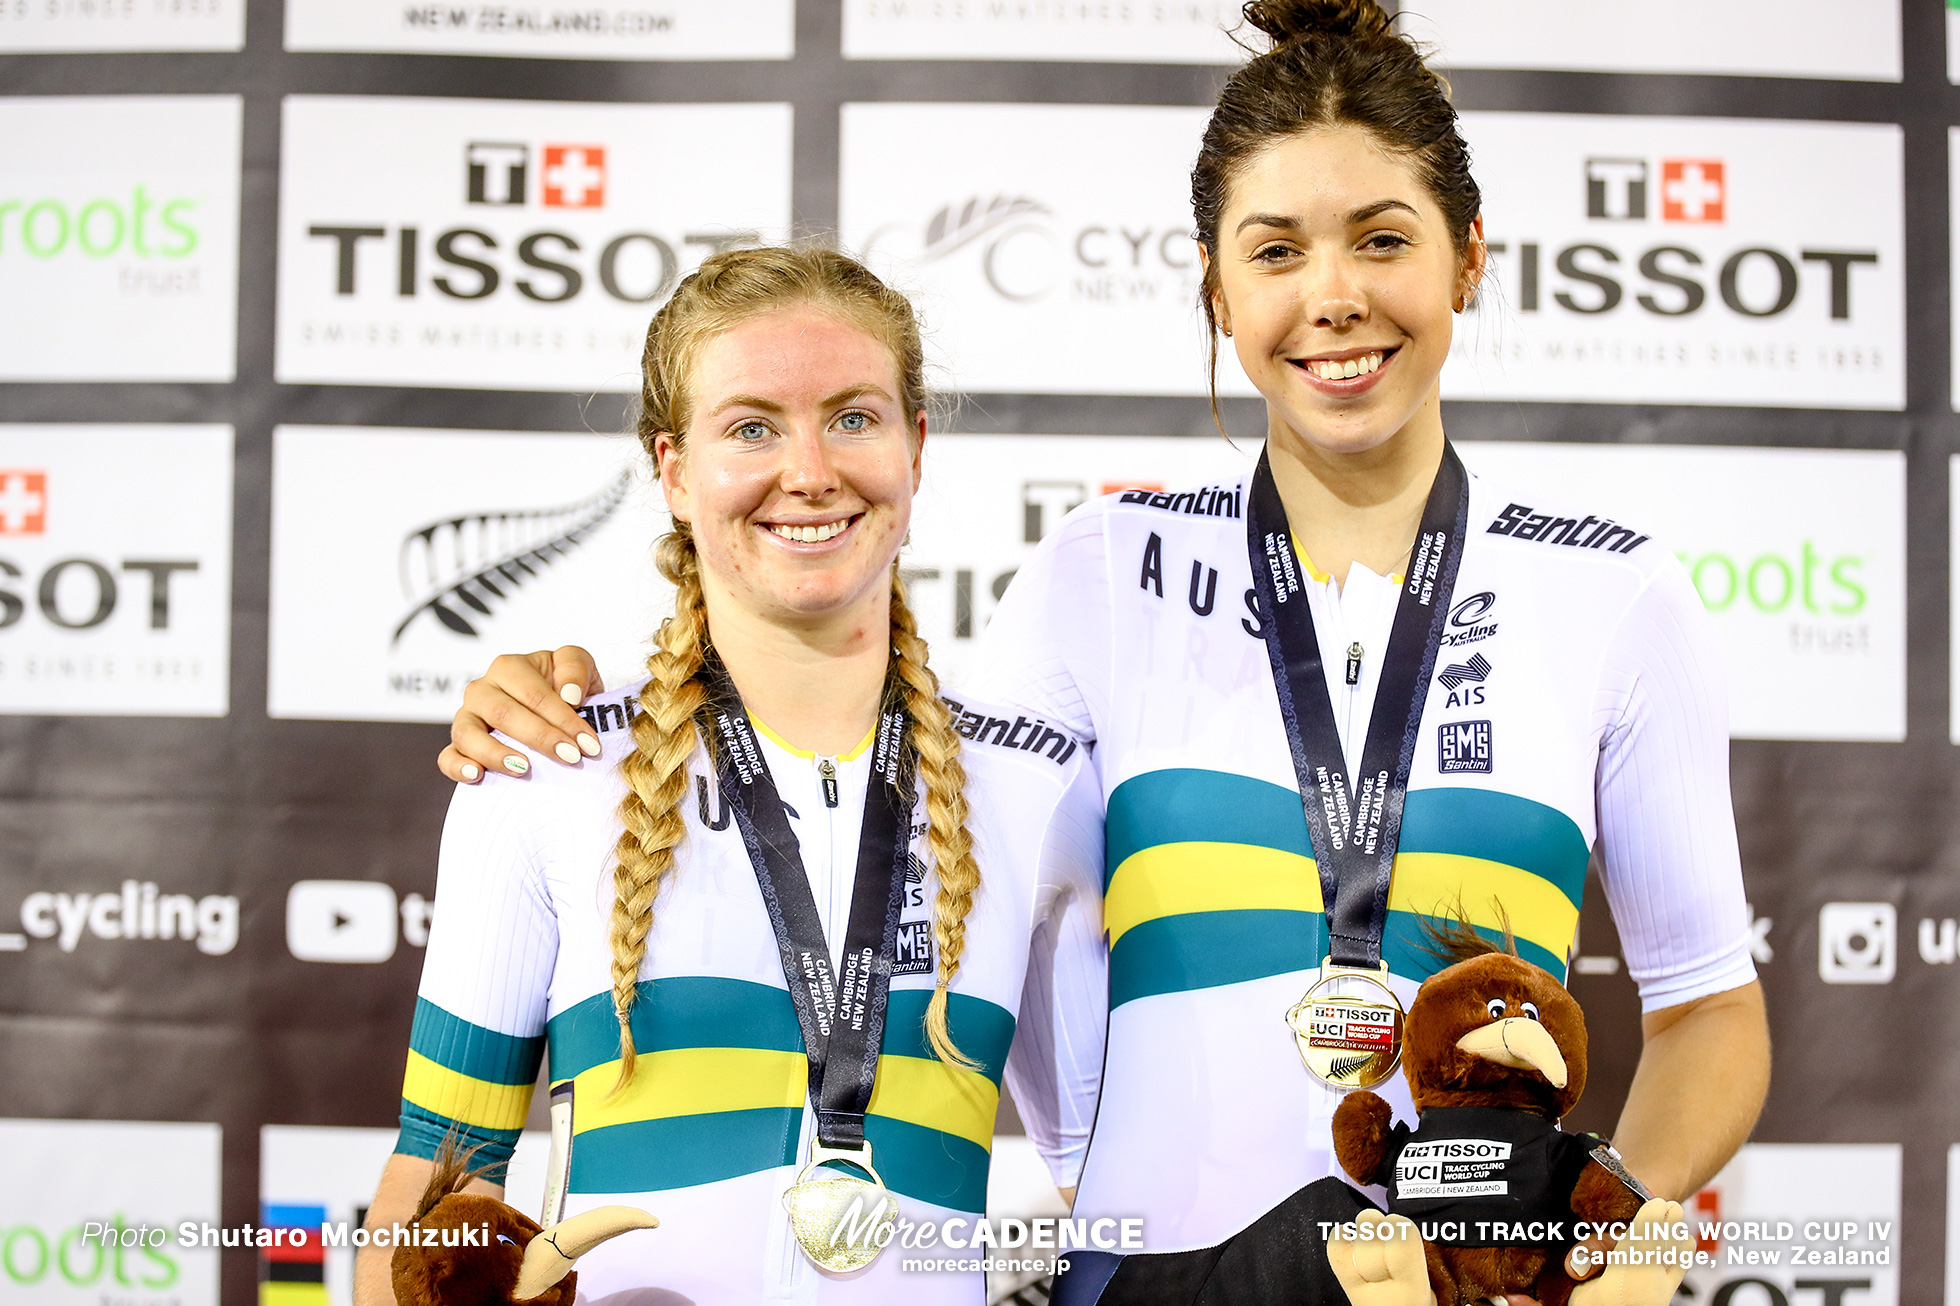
[(842, 1018), (1355, 833)]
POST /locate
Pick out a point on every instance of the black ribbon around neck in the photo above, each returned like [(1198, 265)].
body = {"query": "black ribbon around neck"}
[(842, 1017), (1355, 831)]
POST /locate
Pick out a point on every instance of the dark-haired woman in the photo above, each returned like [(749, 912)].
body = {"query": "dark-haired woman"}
[(1349, 691)]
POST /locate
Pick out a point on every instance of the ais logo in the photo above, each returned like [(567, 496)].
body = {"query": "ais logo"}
[(1675, 276)]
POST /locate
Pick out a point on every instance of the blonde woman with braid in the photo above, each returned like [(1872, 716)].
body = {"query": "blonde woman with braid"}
[(632, 916)]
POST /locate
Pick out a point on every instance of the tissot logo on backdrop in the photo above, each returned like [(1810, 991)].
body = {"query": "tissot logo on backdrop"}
[(506, 245), (1148, 31), (1800, 1223), (1669, 260), (48, 26), (1037, 237), (122, 1175), (115, 569), (451, 562), (119, 237), (1798, 554), (1772, 38), (979, 516), (621, 29)]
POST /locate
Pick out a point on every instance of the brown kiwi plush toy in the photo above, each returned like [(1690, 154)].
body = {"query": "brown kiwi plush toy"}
[(1495, 1053), (509, 1258)]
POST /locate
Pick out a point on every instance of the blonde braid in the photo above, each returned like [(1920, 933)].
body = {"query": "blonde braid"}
[(656, 779), (951, 843)]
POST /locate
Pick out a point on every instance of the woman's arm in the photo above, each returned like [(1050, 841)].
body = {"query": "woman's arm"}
[(529, 697), (1054, 1068), (1673, 873), (1702, 1077), (402, 1182)]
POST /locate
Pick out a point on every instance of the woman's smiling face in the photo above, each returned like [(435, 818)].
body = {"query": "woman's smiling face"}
[(798, 467), (1338, 281)]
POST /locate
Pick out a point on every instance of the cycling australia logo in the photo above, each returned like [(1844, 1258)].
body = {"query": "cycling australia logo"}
[(505, 246), (1707, 263)]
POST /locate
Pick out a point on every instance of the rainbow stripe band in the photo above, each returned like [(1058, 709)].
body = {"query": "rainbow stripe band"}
[(1210, 880)]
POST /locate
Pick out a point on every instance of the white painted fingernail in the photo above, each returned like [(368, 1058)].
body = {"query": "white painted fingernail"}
[(470, 771), (572, 694), (516, 765), (566, 753), (589, 744)]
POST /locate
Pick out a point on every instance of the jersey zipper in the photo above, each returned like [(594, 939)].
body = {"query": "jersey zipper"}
[(828, 770)]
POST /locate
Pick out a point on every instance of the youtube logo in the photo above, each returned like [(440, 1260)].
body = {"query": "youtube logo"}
[(341, 921)]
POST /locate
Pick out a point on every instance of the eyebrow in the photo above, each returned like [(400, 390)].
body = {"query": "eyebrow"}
[(1284, 222), (843, 396)]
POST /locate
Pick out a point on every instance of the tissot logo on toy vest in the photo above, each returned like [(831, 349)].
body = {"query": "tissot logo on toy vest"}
[(1684, 260), (502, 244)]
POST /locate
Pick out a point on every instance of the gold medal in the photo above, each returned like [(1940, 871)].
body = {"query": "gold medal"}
[(1348, 1028), (842, 1222)]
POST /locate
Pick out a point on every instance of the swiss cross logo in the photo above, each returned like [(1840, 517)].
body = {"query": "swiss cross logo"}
[(23, 502), (1692, 190), (574, 176)]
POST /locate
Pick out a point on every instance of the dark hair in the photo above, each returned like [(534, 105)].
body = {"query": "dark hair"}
[(1333, 62)]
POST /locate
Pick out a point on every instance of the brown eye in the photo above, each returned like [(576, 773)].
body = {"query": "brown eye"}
[(1496, 1008), (1530, 1009)]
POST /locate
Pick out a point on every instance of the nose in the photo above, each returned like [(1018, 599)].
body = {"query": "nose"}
[(1335, 296), (808, 467)]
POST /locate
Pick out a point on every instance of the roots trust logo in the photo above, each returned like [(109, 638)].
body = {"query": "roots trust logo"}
[(119, 237)]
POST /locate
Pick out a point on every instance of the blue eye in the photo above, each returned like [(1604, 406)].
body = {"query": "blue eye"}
[(752, 431), (855, 422)]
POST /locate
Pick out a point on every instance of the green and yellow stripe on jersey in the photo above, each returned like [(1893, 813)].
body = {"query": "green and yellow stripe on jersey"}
[(721, 1077), (467, 1081), (1210, 879)]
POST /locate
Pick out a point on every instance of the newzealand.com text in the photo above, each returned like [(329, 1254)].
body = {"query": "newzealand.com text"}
[(530, 21)]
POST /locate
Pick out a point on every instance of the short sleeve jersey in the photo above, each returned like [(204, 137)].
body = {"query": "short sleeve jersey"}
[(1577, 701), (715, 1123)]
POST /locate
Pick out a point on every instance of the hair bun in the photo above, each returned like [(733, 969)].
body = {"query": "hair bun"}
[(1287, 21)]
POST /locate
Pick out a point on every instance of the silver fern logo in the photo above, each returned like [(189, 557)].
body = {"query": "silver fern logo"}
[(457, 570), (1026, 251)]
